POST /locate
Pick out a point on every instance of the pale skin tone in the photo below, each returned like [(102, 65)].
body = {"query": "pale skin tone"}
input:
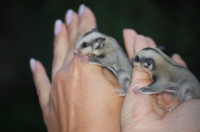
[(81, 97)]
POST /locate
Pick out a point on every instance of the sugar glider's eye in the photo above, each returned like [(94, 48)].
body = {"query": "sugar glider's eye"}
[(84, 45), (148, 62), (136, 59)]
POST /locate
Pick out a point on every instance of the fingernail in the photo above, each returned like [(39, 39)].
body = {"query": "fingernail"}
[(57, 26), (81, 9), (32, 64), (68, 16)]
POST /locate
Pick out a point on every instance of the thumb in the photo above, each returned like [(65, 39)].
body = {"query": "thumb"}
[(136, 106)]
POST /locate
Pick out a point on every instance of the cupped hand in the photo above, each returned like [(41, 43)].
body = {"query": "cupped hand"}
[(149, 113), (80, 97)]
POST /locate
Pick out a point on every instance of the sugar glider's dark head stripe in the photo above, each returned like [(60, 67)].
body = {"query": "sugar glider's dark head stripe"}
[(148, 48), (164, 57), (100, 56), (156, 50), (93, 30)]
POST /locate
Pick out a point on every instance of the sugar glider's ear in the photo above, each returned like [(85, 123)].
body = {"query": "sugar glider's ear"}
[(99, 42), (160, 47)]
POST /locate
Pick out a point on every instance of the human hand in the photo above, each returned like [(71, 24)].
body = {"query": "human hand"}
[(80, 97), (149, 112)]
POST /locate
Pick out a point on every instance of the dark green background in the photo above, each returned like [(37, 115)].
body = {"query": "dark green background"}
[(26, 30)]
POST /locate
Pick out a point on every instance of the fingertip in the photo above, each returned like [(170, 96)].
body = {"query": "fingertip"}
[(176, 57), (141, 43), (87, 19), (151, 42), (39, 68), (39, 72), (129, 31), (84, 10), (60, 31), (72, 28), (57, 26), (32, 64), (129, 36), (68, 16), (81, 9)]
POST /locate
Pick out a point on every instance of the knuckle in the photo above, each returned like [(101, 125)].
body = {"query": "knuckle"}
[(58, 78), (46, 112)]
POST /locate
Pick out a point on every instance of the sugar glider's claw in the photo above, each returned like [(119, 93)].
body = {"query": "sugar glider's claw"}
[(84, 59), (136, 90), (172, 108), (120, 92)]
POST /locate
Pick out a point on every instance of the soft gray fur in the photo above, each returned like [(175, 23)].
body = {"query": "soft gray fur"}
[(166, 74), (105, 51)]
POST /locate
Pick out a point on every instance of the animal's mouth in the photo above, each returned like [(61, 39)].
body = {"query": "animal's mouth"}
[(138, 68), (77, 52)]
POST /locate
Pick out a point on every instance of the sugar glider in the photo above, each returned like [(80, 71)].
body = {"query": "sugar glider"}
[(100, 49), (166, 75)]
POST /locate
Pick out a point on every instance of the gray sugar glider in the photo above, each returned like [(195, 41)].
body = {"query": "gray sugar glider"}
[(105, 51), (166, 75)]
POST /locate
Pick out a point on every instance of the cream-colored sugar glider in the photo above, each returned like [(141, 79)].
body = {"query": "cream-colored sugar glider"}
[(97, 48), (166, 75)]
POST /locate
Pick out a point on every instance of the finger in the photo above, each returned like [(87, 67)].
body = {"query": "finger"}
[(140, 43), (168, 99), (41, 81), (61, 46), (71, 20), (87, 20), (178, 59), (141, 106), (129, 36), (151, 42)]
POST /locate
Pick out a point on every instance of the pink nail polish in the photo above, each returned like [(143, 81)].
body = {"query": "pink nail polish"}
[(81, 9), (68, 16), (32, 64), (57, 26)]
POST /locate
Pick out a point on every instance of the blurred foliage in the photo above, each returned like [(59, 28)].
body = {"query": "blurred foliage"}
[(26, 30)]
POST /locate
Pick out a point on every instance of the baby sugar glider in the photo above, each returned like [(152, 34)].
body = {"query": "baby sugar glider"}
[(100, 49), (166, 75)]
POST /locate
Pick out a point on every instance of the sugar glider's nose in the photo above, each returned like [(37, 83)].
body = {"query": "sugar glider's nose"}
[(77, 51)]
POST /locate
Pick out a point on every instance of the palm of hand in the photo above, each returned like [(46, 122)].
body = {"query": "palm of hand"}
[(149, 112)]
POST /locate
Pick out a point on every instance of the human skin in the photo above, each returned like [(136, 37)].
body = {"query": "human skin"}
[(81, 97), (144, 113)]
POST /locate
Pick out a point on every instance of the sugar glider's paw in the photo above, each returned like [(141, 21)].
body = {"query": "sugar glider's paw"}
[(120, 92), (172, 108), (136, 90), (84, 59)]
